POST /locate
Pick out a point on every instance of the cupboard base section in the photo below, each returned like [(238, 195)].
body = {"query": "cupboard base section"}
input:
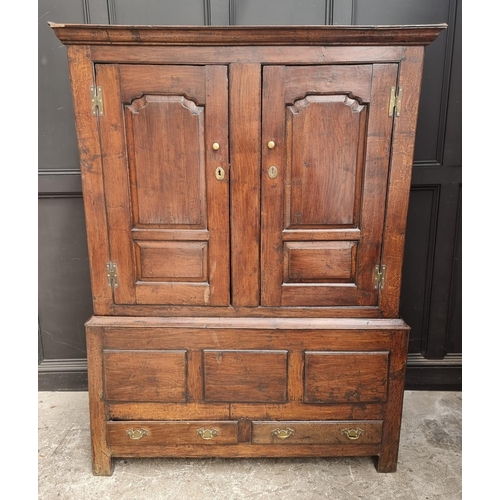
[(245, 387)]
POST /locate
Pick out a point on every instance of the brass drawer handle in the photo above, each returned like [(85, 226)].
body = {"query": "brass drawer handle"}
[(352, 434), (283, 433), (136, 433), (207, 433)]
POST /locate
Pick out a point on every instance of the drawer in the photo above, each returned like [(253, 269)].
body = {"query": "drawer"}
[(317, 432), (148, 433)]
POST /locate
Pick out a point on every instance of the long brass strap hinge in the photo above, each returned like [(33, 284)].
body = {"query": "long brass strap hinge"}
[(379, 280), (112, 274), (395, 101), (96, 100)]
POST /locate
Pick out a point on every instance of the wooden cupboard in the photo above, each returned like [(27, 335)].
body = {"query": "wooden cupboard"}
[(246, 194)]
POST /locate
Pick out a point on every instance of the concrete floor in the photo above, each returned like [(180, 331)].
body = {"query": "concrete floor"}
[(429, 463)]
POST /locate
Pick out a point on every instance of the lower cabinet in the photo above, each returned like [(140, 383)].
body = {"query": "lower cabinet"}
[(301, 387)]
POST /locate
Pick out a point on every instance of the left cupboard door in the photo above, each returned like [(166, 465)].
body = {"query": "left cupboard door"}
[(164, 142)]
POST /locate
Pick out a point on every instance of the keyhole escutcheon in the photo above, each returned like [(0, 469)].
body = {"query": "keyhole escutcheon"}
[(272, 172), (219, 173)]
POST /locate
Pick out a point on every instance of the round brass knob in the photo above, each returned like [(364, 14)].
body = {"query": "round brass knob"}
[(215, 146), (271, 144)]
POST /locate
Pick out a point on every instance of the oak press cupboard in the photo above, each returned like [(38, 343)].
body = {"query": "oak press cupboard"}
[(246, 192)]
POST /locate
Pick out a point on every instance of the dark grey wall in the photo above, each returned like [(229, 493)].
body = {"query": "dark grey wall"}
[(431, 298)]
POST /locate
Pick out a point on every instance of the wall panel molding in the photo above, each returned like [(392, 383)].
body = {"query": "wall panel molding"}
[(112, 11), (219, 12), (416, 359), (343, 12), (329, 8), (419, 258), (453, 340), (59, 182), (95, 11), (445, 89), (64, 374), (86, 12), (432, 174), (446, 63), (232, 12), (207, 13)]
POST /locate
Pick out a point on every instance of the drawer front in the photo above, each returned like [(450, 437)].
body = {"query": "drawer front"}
[(147, 433), (314, 432)]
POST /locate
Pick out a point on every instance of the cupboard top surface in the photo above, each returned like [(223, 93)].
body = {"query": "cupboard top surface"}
[(246, 35)]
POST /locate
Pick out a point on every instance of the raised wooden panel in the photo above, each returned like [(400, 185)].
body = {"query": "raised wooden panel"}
[(342, 377), (325, 140), (172, 261), (148, 376), (245, 376), (319, 261), (167, 168)]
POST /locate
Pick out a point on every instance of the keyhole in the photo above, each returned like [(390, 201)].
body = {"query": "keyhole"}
[(219, 173)]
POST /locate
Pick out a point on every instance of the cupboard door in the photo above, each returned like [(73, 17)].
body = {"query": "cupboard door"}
[(167, 209), (324, 180)]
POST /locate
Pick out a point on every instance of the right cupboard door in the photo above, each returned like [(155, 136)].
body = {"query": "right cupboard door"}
[(326, 144)]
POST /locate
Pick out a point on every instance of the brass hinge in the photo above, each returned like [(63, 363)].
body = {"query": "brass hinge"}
[(379, 280), (395, 101), (96, 100), (112, 274)]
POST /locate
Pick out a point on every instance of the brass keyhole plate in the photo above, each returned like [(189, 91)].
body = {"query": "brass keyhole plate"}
[(272, 172), (219, 173)]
